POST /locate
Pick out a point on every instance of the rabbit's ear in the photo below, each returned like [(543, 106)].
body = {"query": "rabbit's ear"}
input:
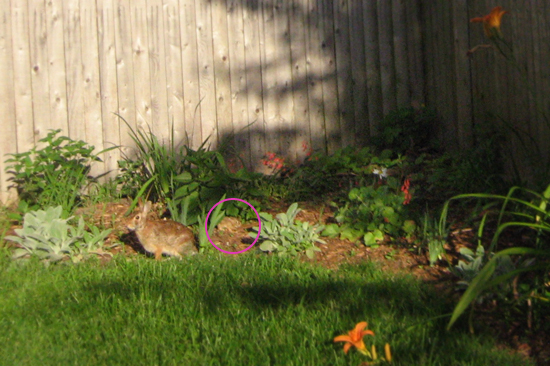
[(146, 208)]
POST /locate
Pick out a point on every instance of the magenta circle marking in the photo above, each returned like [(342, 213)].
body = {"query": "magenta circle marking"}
[(253, 209)]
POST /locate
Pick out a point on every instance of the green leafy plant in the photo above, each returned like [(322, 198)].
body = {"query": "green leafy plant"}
[(372, 212), (287, 236), (187, 180), (433, 238), (407, 129), (476, 169), (55, 174), (524, 214), (154, 160), (215, 218), (47, 235), (346, 168), (469, 266)]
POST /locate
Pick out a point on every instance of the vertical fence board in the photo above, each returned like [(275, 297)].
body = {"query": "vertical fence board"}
[(39, 64), (74, 72), (160, 119), (515, 20), (402, 86), (314, 74), (108, 83), (7, 96), (525, 48), (221, 61), (540, 52), (125, 74), (440, 68), (387, 67), (90, 75), (297, 20), (207, 86), (477, 59), (56, 65), (343, 72), (427, 47), (544, 34), (414, 48), (174, 73), (21, 79), (141, 69), (269, 76), (238, 77), (190, 67), (445, 66), (462, 70), (330, 91), (283, 67), (360, 73), (372, 61), (253, 69)]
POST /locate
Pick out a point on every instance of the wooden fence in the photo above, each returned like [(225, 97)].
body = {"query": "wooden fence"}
[(490, 92), (266, 74)]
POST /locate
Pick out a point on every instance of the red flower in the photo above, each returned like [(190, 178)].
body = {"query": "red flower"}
[(306, 148), (405, 189)]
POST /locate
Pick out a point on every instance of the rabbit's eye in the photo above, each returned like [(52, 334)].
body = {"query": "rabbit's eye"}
[(137, 217)]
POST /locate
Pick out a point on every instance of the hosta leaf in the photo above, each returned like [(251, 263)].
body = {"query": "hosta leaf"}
[(350, 234), (331, 230)]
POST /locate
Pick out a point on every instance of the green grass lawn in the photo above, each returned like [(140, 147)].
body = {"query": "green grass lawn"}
[(211, 310)]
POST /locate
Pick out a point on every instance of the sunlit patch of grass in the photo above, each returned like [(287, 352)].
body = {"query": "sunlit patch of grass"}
[(214, 310)]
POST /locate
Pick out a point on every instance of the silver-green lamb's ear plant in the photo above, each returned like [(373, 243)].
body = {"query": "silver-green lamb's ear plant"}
[(48, 236), (285, 235), (499, 269)]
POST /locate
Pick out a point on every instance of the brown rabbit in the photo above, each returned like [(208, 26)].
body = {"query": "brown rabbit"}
[(229, 224), (162, 236)]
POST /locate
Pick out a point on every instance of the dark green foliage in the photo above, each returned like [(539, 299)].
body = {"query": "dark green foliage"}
[(374, 211), (54, 175), (407, 129), (189, 181), (322, 174)]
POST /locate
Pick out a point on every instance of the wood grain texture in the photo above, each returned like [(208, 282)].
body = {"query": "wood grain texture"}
[(7, 95), (269, 75)]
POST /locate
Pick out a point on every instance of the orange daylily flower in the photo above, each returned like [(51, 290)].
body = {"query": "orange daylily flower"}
[(355, 338), (491, 22)]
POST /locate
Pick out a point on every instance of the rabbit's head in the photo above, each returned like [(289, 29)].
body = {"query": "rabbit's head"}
[(138, 221)]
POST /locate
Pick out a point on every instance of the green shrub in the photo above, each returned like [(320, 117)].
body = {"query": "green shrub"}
[(344, 169), (407, 129), (54, 175), (372, 212), (187, 180)]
